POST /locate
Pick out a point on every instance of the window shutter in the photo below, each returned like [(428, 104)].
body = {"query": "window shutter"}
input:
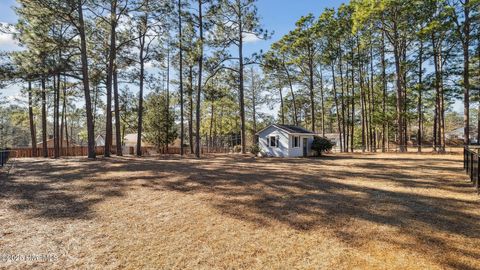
[(268, 141), (277, 143)]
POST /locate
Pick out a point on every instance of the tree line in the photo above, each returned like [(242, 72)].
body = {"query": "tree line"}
[(373, 72), (380, 71)]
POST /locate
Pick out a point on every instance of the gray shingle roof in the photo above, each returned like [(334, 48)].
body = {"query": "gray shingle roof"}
[(294, 129)]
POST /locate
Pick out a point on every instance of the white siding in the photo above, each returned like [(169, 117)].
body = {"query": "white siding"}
[(298, 151), (285, 147), (283, 142), (99, 141)]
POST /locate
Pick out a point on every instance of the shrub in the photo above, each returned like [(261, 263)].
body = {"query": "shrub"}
[(237, 149), (255, 149), (321, 144)]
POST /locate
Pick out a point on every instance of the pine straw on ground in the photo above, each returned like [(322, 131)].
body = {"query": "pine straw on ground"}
[(375, 211)]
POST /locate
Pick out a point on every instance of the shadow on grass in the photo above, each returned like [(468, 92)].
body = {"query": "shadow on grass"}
[(303, 194)]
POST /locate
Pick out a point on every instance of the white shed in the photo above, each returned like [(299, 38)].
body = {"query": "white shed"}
[(285, 141)]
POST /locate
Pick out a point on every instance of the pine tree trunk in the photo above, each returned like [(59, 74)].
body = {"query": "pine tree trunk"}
[(400, 140), (337, 107), (254, 109), (435, 125), (180, 73), (65, 109), (310, 87), (199, 86), (466, 72), (373, 133), (340, 64), (241, 86), (33, 133), (420, 90), (118, 136), (44, 119), (210, 132), (442, 105), (111, 63), (282, 109), (167, 124), (85, 79), (57, 116), (384, 96), (62, 117), (353, 105), (366, 100), (478, 69), (405, 99), (322, 100), (190, 114), (140, 94), (362, 108), (347, 109), (289, 78), (438, 107)]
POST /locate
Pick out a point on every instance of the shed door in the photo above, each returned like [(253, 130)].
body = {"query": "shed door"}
[(305, 145)]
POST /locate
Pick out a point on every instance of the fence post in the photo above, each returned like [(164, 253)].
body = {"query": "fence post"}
[(471, 166)]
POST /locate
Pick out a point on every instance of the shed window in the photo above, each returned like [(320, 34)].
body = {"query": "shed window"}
[(273, 141), (296, 141)]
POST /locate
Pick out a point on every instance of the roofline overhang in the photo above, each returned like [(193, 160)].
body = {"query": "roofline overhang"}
[(290, 133)]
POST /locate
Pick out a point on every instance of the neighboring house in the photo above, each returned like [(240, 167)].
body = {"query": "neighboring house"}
[(334, 138), (285, 141), (458, 134), (455, 134), (100, 140), (129, 141)]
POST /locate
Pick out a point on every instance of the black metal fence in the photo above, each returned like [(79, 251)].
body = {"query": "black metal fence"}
[(4, 156), (471, 162)]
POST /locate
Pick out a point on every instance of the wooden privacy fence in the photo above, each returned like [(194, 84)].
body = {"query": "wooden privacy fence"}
[(471, 162), (83, 151), (70, 151), (148, 151)]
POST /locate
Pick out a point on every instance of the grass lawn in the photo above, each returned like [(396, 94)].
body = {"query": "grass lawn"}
[(375, 211)]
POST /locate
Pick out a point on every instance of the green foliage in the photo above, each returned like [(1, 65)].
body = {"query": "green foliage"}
[(255, 149), (159, 121), (13, 126), (237, 148), (129, 108), (321, 144), (372, 46)]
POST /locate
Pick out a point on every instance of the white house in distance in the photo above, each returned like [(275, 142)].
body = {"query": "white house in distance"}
[(129, 141), (285, 141)]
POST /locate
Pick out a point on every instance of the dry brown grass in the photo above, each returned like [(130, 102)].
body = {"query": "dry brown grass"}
[(377, 211)]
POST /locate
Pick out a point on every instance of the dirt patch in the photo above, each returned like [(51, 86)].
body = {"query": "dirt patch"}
[(376, 211)]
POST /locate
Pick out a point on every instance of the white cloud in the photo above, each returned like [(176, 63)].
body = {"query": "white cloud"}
[(6, 40), (149, 65), (15, 98), (7, 43), (250, 38)]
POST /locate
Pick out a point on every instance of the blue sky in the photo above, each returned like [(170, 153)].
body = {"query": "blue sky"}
[(278, 16), (7, 14)]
